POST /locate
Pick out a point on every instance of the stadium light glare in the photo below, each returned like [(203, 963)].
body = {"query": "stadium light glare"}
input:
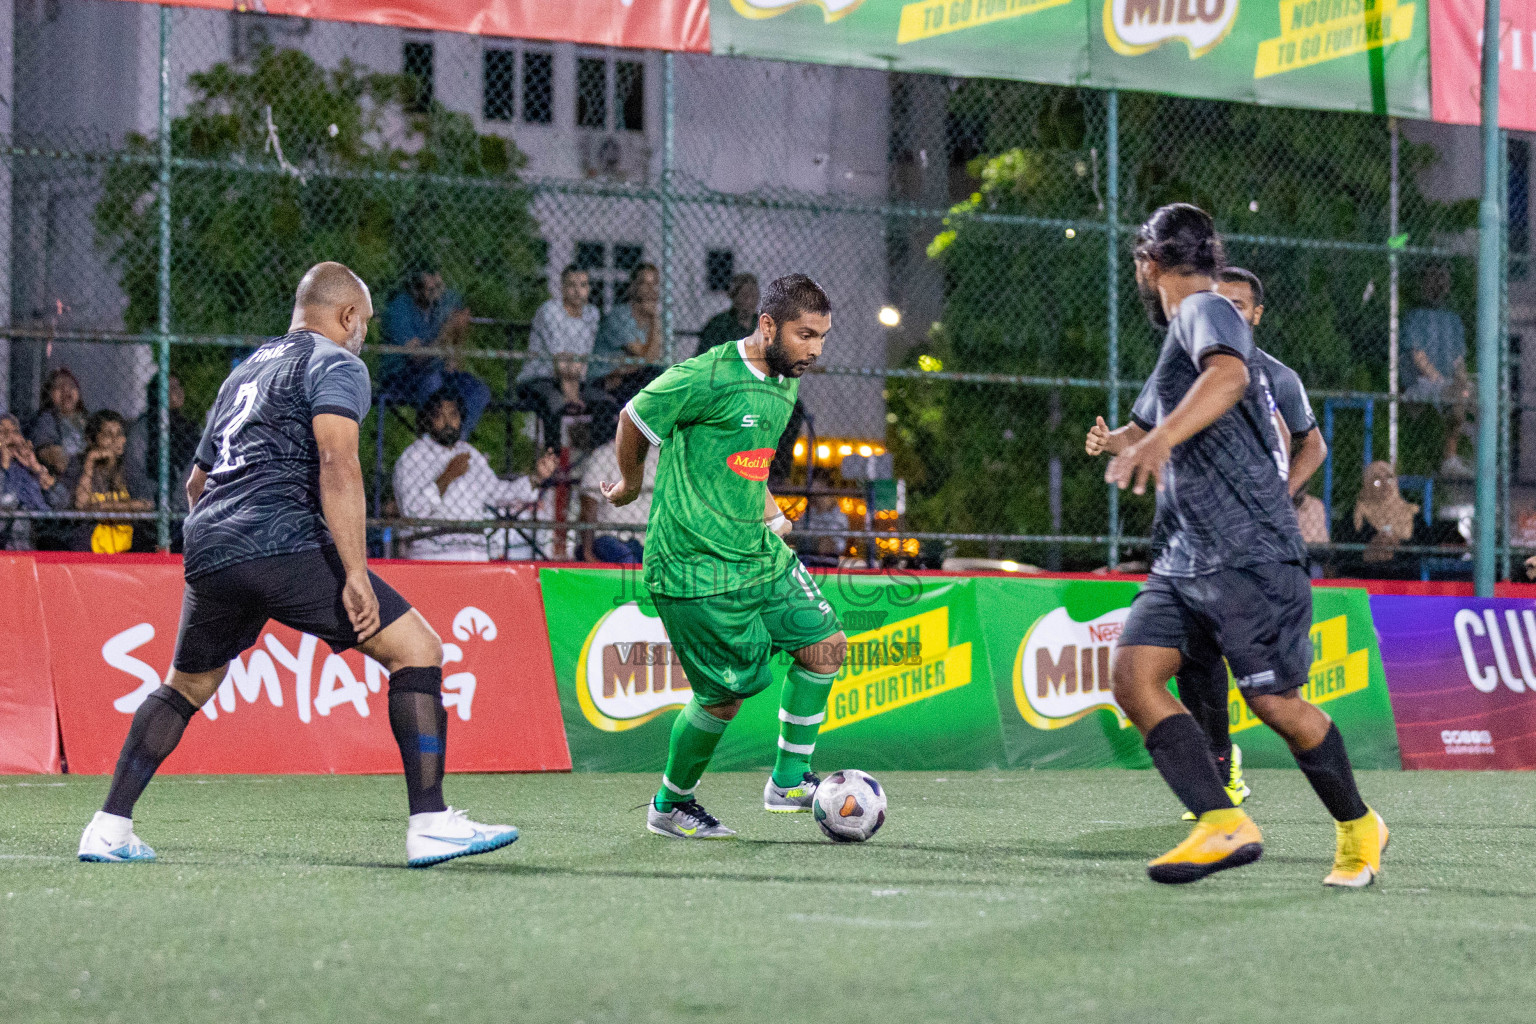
[(890, 316)]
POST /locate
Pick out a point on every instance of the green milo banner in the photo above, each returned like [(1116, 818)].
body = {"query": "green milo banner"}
[(941, 673), (1370, 55), (915, 691), (1050, 642)]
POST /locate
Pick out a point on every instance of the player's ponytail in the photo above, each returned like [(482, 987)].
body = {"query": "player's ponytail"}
[(1182, 238)]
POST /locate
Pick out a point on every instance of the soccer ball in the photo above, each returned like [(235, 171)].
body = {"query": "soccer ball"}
[(850, 806)]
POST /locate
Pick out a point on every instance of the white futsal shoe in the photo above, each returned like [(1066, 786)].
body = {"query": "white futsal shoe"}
[(445, 835), (109, 839)]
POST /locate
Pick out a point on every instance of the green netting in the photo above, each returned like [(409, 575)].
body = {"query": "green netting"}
[(974, 236)]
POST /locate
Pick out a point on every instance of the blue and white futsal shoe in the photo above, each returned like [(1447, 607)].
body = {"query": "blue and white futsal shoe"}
[(109, 839), (444, 835)]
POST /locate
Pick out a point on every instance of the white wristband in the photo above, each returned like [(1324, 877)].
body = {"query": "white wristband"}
[(780, 524)]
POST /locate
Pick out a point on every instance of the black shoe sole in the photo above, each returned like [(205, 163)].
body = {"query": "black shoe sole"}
[(1181, 874)]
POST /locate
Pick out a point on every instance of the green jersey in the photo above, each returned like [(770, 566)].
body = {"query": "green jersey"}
[(718, 420)]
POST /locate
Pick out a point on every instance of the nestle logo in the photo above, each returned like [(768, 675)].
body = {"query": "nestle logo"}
[(1106, 632)]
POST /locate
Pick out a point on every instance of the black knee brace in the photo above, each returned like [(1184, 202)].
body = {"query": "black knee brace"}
[(417, 680)]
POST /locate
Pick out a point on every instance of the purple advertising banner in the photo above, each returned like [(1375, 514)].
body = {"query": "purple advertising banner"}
[(1462, 675)]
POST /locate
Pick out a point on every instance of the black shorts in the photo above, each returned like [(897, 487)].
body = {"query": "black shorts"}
[(1260, 618), (224, 611)]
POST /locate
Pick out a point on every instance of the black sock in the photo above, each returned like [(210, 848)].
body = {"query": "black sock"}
[(1213, 721), (420, 724), (1182, 755), (1326, 766), (156, 729)]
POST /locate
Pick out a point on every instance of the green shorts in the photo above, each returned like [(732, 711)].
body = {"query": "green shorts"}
[(726, 641)]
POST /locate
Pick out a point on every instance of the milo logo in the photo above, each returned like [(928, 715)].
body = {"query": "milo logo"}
[(1133, 27), (831, 10), (1061, 672), (751, 464), (627, 672)]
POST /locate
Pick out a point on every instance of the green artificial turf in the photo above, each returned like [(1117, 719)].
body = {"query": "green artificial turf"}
[(989, 896)]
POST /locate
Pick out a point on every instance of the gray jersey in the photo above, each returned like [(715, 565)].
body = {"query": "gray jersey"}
[(1285, 387), (259, 451), (1290, 395), (1223, 502)]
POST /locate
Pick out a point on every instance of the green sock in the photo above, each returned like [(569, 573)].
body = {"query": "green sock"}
[(801, 711), (694, 736)]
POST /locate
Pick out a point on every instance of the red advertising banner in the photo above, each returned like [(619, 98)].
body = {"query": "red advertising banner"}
[(1455, 61), (644, 24), (29, 731), (288, 704), (1461, 672)]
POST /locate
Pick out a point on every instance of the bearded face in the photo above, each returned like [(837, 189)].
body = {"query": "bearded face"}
[(1151, 298)]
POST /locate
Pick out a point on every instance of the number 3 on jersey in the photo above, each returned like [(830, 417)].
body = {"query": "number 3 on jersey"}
[(245, 401)]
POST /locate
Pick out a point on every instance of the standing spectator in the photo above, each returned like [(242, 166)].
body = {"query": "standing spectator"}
[(737, 322), (1435, 342), (623, 546), (425, 314), (58, 430), (553, 380), (631, 329), (442, 476), (25, 484), (98, 482)]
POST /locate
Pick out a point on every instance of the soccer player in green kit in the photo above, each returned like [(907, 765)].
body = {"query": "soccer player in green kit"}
[(729, 591)]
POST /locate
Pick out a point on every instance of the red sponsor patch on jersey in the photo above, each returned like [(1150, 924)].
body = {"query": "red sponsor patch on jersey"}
[(753, 464)]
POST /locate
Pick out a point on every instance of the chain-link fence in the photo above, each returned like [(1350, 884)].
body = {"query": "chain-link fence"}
[(974, 236)]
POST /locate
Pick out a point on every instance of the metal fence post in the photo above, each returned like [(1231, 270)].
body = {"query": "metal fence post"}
[(668, 158), (1393, 296), (163, 341), (1489, 223), (1112, 295), (1506, 373)]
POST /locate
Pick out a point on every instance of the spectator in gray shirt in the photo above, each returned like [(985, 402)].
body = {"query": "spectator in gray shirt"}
[(552, 382), (1435, 367)]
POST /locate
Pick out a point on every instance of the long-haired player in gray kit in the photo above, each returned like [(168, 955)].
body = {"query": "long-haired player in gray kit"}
[(1230, 571), (276, 531), (1202, 678)]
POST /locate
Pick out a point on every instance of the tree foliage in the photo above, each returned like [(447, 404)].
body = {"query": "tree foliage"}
[(367, 183)]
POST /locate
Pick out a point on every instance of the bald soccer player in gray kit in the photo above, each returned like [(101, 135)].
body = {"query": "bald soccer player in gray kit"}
[(277, 531)]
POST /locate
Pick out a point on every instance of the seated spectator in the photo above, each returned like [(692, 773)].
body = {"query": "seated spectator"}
[(823, 512), (442, 476), (553, 379), (143, 454), (58, 429), (98, 482), (623, 546), (737, 322), (631, 329), (25, 484), (426, 315), (1435, 367)]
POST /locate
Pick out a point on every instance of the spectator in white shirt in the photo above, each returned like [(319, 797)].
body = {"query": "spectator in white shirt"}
[(553, 381), (441, 476), (623, 546)]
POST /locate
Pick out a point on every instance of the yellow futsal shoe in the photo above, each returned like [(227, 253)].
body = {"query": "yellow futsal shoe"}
[(1361, 844), (1237, 789), (1226, 838)]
